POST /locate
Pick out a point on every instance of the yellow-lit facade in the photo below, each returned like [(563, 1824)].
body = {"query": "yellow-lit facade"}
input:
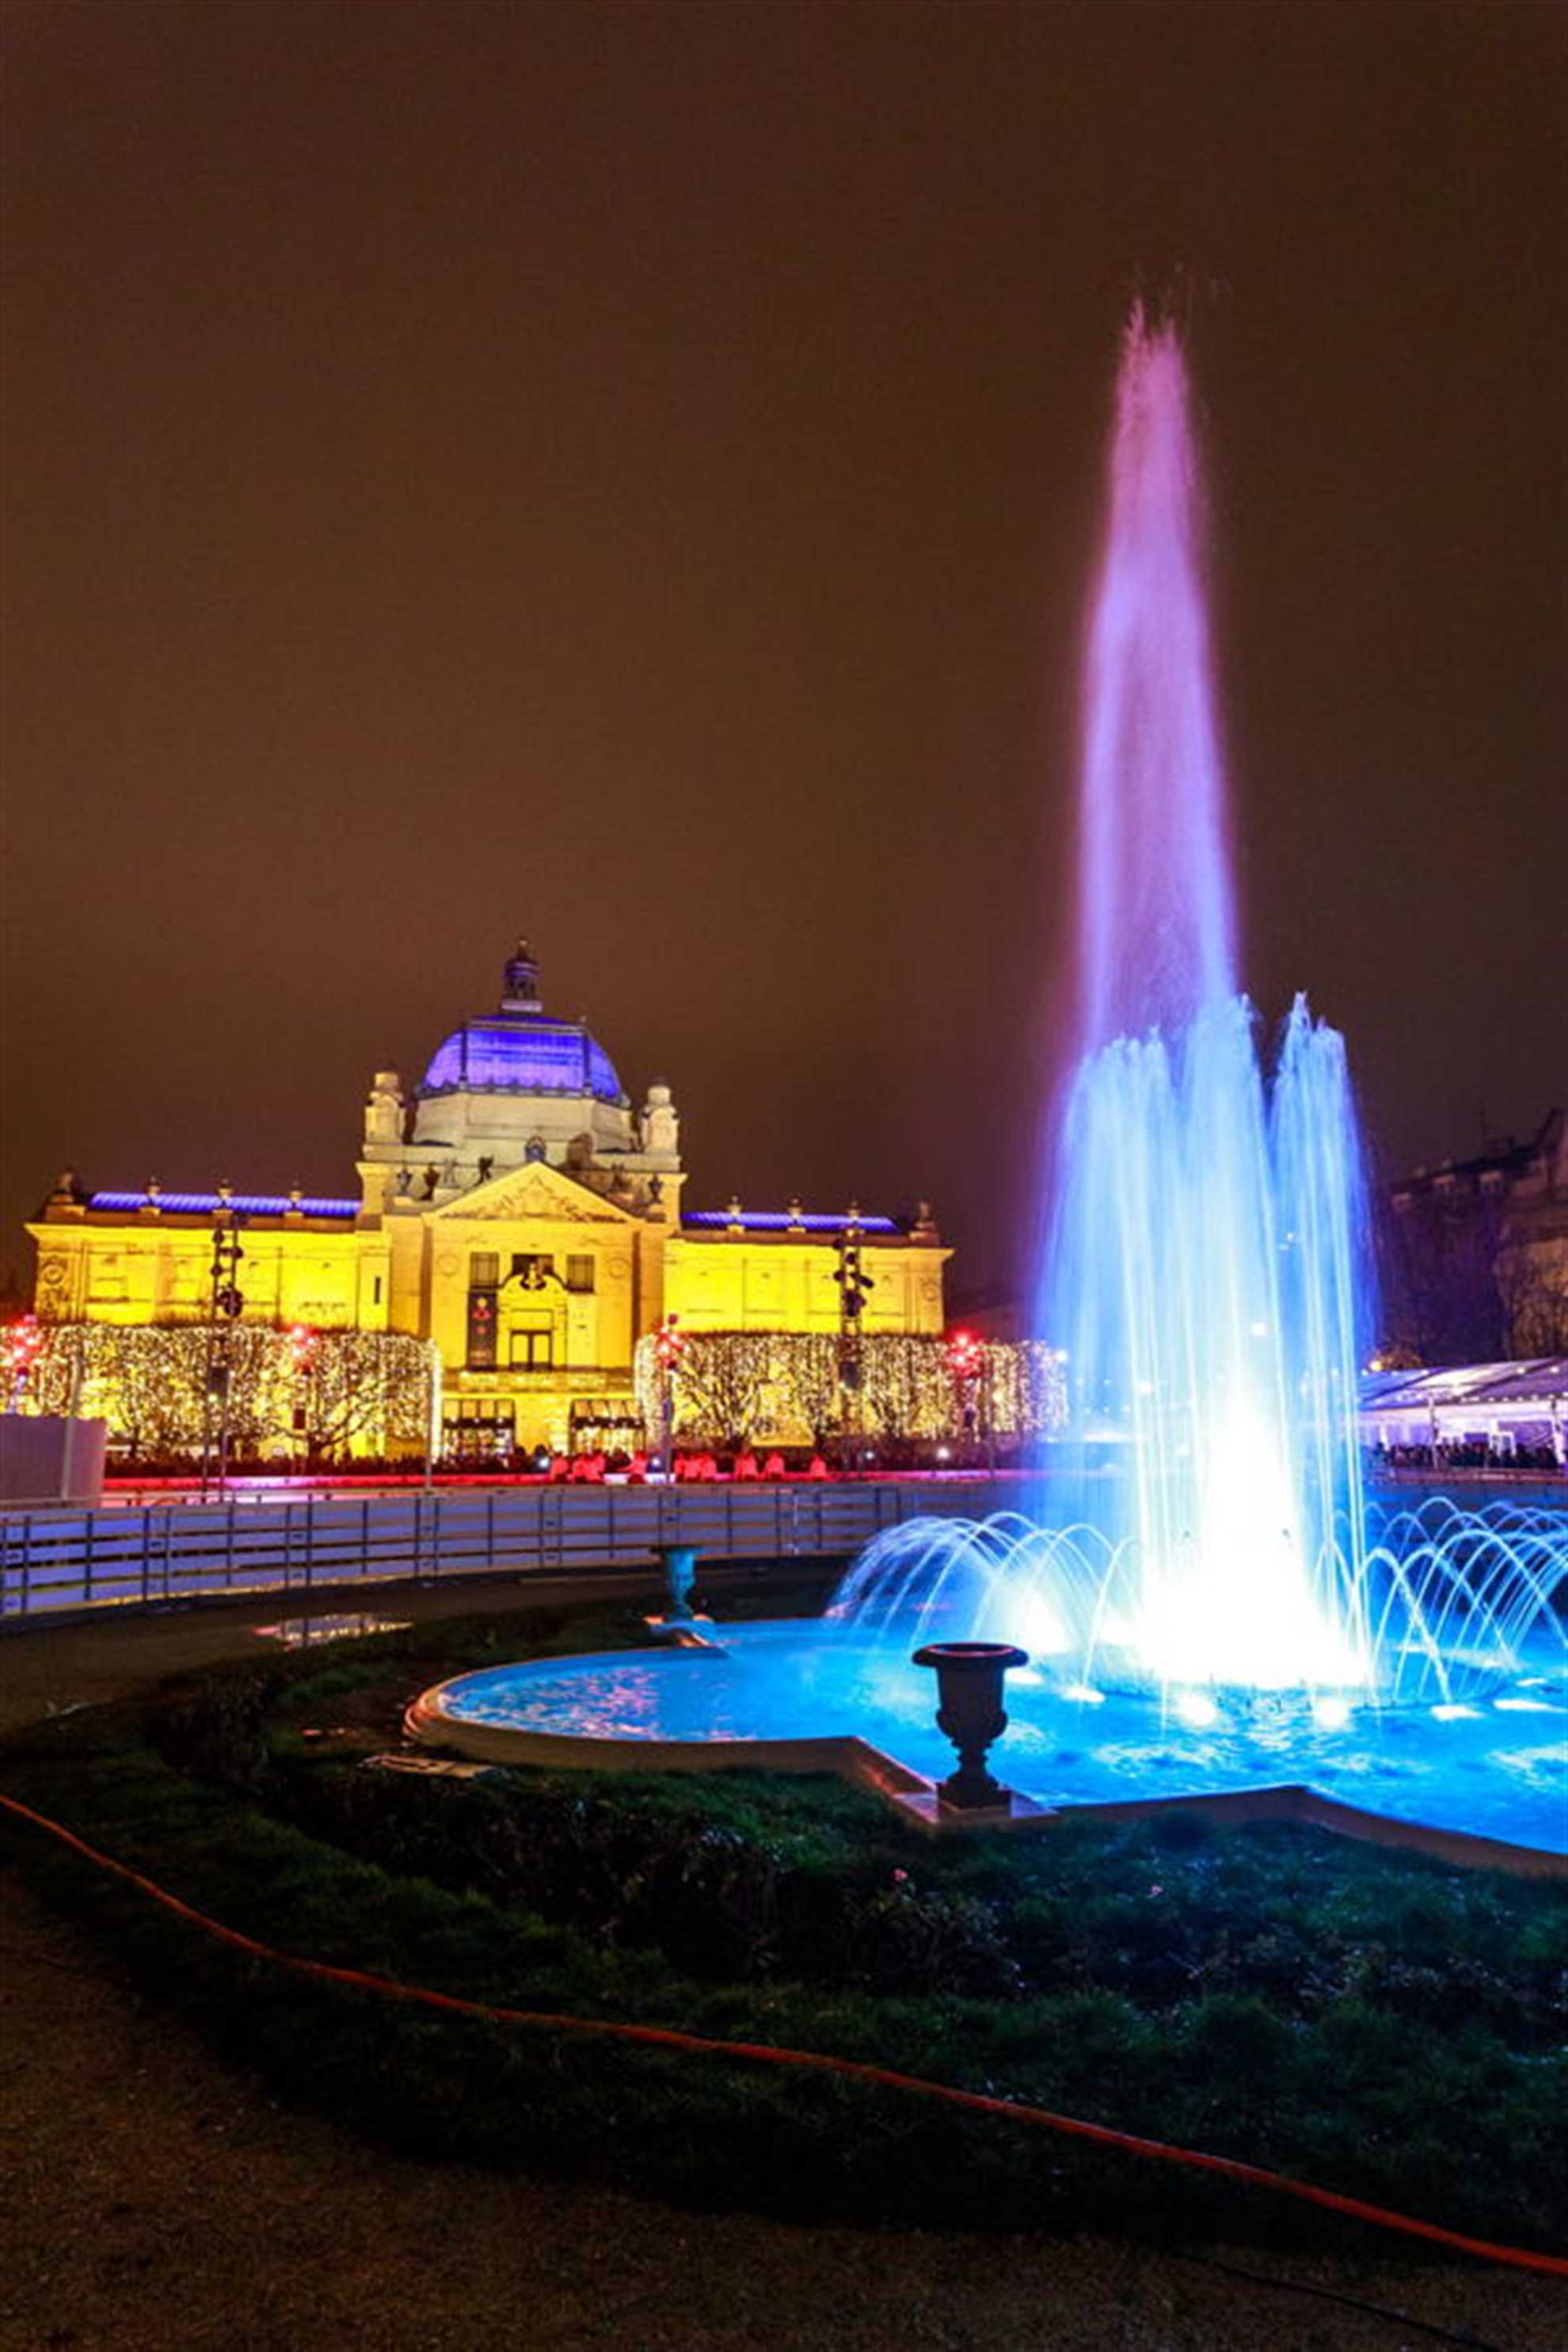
[(514, 1209)]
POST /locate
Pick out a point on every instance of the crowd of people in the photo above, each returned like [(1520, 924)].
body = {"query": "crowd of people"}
[(688, 1466), (1464, 1454)]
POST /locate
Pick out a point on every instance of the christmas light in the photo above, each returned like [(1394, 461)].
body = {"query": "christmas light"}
[(785, 1386), (18, 1354), (366, 1391)]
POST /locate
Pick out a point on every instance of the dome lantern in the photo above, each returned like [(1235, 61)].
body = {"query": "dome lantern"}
[(520, 980)]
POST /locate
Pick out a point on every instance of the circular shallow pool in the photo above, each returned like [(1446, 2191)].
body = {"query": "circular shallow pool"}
[(1495, 1767)]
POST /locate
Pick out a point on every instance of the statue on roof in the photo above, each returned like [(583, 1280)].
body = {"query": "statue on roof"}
[(384, 1108), (520, 980), (660, 1124)]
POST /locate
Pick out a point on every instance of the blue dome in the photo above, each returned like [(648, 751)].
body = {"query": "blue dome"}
[(519, 1053)]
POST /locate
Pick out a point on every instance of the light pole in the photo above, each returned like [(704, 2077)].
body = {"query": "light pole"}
[(853, 1282), (303, 1344), (432, 1412), (668, 1347), (227, 1305)]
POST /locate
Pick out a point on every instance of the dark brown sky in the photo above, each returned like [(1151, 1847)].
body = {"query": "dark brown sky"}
[(632, 473)]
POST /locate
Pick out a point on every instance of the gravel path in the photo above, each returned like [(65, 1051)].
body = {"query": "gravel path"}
[(157, 2200)]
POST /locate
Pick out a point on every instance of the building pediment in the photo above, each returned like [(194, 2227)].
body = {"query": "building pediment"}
[(536, 1191)]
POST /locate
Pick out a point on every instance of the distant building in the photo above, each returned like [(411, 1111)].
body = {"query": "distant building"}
[(515, 1210), (1474, 1253)]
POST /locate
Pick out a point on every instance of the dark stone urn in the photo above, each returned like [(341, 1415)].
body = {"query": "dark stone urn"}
[(970, 1712)]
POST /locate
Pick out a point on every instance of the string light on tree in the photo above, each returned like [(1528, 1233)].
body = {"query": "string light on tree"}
[(368, 1390), (23, 1340), (784, 1388)]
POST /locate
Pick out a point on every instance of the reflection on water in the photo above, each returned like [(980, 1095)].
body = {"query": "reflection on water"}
[(305, 1633)]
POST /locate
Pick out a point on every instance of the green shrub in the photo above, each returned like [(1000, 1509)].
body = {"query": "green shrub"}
[(217, 1727)]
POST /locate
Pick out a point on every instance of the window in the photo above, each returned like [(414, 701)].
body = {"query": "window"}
[(484, 1270), (531, 1269), (579, 1274), (481, 1429), (533, 1350), (375, 1293), (482, 1331)]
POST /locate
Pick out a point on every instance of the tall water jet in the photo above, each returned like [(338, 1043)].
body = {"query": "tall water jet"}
[(1203, 1271), (1156, 921), (1206, 1274)]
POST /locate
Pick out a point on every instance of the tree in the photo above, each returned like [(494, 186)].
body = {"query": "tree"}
[(722, 1384), (149, 1381), (370, 1384), (1532, 1281), (1437, 1262), (786, 1385)]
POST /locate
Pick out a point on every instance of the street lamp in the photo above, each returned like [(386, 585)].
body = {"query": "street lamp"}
[(227, 1305), (853, 1282), (303, 1347)]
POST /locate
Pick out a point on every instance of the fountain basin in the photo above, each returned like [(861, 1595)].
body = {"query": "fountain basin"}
[(1487, 1784)]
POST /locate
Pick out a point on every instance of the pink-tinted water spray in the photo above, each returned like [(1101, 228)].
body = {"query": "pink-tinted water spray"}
[(1156, 916)]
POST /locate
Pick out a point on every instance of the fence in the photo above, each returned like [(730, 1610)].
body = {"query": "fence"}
[(62, 1559)]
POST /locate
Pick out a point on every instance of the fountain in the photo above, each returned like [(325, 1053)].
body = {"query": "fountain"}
[(1200, 1575)]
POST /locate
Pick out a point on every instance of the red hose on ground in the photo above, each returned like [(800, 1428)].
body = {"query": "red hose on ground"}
[(661, 2037)]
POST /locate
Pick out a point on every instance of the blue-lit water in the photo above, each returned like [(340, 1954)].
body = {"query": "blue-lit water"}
[(1206, 1276), (1443, 1599), (1494, 1765)]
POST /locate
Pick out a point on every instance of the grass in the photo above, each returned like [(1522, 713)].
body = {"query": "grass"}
[(1380, 2024)]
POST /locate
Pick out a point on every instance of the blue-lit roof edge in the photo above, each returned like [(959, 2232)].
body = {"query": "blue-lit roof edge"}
[(172, 1201), (810, 1221)]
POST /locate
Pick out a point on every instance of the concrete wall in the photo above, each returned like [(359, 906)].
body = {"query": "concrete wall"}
[(44, 1458)]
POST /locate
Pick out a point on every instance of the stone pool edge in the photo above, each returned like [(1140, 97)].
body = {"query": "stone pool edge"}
[(913, 1797)]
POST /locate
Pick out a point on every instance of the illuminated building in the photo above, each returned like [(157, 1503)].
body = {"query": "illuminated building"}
[(1475, 1252), (517, 1210)]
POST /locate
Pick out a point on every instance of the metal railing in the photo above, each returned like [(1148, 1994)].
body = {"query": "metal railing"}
[(57, 1559)]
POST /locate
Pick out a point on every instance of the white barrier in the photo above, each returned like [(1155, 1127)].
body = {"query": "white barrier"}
[(62, 1559)]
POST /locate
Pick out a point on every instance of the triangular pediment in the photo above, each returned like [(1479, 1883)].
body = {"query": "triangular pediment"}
[(536, 1191)]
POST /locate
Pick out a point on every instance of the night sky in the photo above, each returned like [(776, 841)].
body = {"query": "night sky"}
[(631, 473)]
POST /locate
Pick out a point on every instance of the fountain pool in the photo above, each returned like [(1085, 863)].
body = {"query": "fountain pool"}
[(1488, 1769)]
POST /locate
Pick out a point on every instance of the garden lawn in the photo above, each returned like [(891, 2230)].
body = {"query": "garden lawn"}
[(1382, 2025)]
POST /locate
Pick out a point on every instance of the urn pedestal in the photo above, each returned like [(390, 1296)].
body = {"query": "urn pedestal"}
[(679, 1562), (969, 1679)]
